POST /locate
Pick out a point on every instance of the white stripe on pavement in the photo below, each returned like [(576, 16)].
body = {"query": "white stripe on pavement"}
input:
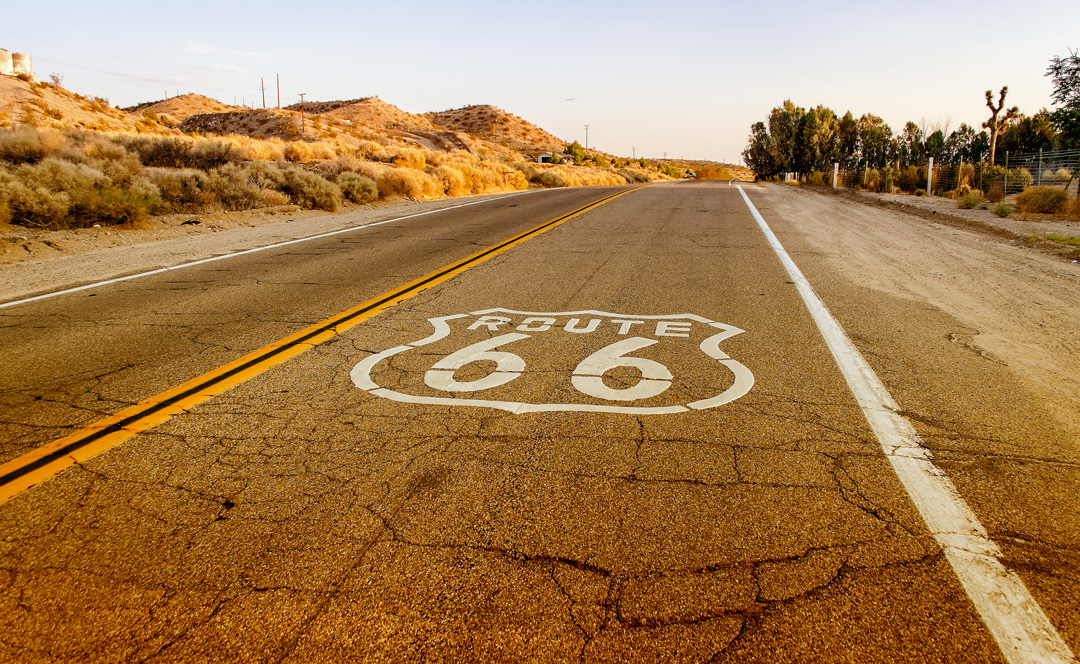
[(246, 251), (1015, 620)]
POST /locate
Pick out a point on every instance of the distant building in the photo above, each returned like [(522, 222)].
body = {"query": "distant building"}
[(13, 64), (553, 158)]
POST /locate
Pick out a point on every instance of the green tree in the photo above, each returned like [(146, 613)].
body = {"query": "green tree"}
[(576, 152), (1029, 134), (875, 138), (911, 146), (784, 121), (847, 139), (1066, 95), (759, 154), (935, 147)]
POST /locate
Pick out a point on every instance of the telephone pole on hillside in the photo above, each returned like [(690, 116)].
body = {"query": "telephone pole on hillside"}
[(302, 129), (586, 137)]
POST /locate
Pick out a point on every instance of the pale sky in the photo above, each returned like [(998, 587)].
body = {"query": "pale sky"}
[(683, 78)]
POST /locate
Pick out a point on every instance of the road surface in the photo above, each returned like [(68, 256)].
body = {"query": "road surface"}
[(626, 436)]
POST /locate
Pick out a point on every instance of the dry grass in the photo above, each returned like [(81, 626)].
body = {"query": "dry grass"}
[(1042, 200)]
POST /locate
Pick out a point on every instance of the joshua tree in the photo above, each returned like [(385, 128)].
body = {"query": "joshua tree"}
[(994, 124)]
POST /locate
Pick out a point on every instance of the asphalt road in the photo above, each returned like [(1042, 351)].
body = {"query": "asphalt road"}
[(621, 439)]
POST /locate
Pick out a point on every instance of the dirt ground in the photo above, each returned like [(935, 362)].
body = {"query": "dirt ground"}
[(1022, 302)]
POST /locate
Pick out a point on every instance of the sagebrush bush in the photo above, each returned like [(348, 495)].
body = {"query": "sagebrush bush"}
[(234, 188), (303, 152), (28, 145), (1002, 210), (55, 193), (183, 190), (166, 152), (409, 158), (453, 181), (1042, 200), (358, 188), (311, 191), (970, 200)]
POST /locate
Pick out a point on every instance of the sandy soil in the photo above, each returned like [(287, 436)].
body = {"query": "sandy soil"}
[(1024, 302), (34, 261)]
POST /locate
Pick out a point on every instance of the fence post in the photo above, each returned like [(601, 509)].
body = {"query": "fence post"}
[(1038, 182), (835, 173), (930, 178), (1005, 188)]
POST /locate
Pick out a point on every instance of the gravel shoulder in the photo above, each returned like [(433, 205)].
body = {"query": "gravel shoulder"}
[(1022, 303)]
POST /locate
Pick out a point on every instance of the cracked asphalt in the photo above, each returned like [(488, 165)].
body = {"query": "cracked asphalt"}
[(298, 517)]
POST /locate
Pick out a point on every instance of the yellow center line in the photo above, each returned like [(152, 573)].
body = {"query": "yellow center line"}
[(44, 462)]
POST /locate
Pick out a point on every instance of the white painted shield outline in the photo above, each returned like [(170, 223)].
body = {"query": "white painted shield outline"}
[(744, 380)]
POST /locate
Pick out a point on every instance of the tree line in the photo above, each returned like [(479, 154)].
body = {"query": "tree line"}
[(801, 140)]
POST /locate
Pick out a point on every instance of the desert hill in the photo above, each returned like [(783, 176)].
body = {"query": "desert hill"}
[(182, 107), (257, 123), (498, 126), (341, 126), (46, 105)]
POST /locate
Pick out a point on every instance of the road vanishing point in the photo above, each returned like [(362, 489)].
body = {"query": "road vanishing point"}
[(623, 424)]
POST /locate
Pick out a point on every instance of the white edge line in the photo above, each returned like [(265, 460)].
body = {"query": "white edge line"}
[(1017, 623), (277, 245)]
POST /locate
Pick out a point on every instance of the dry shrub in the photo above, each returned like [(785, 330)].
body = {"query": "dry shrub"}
[(61, 194), (970, 200), (358, 188), (370, 150), (567, 176), (180, 152), (233, 188), (28, 145), (406, 182), (1042, 200), (297, 151), (550, 179), (633, 175), (311, 191), (301, 152), (183, 190), (1073, 209), (409, 158), (517, 180), (453, 181), (252, 149)]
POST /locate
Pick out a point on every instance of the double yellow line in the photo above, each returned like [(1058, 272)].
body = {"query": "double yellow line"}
[(45, 462)]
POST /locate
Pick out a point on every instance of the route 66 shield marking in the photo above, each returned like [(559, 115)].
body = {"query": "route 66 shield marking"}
[(594, 361)]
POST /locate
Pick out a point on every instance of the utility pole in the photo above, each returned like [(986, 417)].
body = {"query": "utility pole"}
[(634, 152), (302, 128), (586, 137), (279, 90), (262, 85)]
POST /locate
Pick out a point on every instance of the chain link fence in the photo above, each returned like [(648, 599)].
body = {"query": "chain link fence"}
[(1011, 175)]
